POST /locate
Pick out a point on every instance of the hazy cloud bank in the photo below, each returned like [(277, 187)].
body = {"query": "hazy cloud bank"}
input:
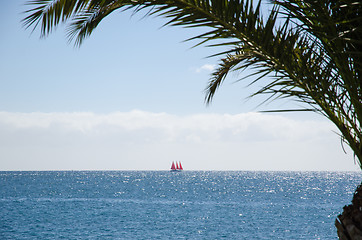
[(144, 140)]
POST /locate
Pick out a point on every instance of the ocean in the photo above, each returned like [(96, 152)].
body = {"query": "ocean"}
[(173, 205)]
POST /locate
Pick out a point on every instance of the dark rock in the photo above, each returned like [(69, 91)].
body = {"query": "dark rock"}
[(349, 222)]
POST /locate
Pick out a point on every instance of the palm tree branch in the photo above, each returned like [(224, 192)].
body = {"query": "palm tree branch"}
[(312, 54)]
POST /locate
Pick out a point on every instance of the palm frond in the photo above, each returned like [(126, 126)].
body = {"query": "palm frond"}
[(313, 49), (82, 25), (49, 13)]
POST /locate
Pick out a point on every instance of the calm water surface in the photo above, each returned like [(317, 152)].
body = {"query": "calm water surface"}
[(165, 205)]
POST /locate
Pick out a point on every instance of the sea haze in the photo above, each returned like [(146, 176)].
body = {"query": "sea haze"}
[(167, 205)]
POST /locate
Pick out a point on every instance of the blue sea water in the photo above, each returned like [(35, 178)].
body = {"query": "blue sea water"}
[(166, 205)]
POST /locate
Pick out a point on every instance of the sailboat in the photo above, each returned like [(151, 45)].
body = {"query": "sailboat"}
[(176, 167)]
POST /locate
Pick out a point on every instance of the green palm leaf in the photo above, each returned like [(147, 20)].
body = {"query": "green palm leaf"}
[(309, 51)]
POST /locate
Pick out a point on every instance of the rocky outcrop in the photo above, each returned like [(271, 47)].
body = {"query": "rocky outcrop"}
[(349, 222)]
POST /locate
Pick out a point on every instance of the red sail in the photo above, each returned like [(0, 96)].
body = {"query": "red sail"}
[(177, 167), (173, 166), (180, 166)]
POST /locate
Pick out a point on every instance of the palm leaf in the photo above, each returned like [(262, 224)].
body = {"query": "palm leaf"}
[(312, 49)]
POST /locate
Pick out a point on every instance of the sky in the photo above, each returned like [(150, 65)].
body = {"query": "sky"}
[(132, 98)]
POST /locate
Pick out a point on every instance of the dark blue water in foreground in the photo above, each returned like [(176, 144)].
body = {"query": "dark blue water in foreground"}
[(164, 205)]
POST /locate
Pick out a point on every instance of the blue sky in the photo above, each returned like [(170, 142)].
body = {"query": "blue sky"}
[(128, 63), (58, 104)]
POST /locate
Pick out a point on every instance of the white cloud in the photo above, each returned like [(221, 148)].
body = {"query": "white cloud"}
[(206, 67), (144, 140)]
